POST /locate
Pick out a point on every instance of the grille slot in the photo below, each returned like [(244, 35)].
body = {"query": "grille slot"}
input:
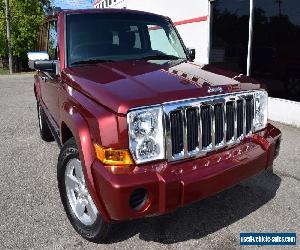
[(196, 127), (219, 124), (240, 117), (176, 131), (206, 126), (192, 129), (249, 113), (230, 121)]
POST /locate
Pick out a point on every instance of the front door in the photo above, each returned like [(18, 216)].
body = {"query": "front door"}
[(51, 82)]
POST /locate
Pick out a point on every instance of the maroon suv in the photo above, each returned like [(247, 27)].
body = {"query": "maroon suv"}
[(142, 129)]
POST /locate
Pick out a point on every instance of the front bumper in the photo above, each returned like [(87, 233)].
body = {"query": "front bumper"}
[(170, 185)]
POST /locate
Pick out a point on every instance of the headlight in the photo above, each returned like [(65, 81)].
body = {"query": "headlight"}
[(146, 135), (261, 110)]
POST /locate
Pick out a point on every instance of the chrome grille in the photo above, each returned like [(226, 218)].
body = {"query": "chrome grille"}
[(195, 127)]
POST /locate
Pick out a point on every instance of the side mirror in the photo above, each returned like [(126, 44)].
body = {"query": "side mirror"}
[(192, 54), (40, 61), (46, 66), (36, 56)]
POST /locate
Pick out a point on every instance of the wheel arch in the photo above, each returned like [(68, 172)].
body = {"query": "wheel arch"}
[(74, 125), (66, 133)]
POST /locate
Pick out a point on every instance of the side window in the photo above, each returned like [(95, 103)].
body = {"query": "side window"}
[(159, 40), (162, 42), (44, 37), (138, 43), (52, 44)]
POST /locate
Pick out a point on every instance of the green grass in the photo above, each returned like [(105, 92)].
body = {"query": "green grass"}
[(4, 71)]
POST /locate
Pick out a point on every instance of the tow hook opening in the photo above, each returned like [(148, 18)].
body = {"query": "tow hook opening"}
[(139, 199)]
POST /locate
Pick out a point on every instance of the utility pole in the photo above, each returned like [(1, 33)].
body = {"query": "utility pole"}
[(280, 2), (250, 41), (7, 14)]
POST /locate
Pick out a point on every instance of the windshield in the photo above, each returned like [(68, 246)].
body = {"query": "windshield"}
[(102, 37)]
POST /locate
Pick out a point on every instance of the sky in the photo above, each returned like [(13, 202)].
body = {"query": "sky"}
[(73, 4)]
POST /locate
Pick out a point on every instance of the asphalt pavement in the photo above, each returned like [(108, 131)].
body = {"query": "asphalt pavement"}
[(32, 216)]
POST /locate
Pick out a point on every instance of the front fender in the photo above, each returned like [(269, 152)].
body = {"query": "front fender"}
[(81, 132)]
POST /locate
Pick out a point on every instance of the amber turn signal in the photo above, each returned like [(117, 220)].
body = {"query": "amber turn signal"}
[(112, 157)]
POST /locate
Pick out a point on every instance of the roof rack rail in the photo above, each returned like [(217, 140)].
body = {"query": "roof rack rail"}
[(54, 11)]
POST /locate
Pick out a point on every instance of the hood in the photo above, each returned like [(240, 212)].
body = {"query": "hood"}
[(121, 86)]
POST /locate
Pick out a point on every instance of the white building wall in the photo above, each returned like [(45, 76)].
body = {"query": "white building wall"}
[(195, 35)]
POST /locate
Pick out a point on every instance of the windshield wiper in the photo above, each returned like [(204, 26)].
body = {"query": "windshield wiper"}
[(91, 61), (161, 57)]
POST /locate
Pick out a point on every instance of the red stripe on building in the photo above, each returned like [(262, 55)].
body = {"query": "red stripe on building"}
[(193, 20)]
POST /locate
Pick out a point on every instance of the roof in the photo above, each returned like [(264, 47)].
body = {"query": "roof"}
[(108, 10)]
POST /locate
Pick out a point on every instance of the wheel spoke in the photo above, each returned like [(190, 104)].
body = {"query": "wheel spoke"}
[(80, 207), (72, 182), (91, 209), (78, 172)]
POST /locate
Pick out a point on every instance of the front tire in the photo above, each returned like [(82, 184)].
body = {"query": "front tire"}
[(76, 199)]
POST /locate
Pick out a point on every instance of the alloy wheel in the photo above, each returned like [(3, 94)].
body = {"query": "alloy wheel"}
[(78, 195)]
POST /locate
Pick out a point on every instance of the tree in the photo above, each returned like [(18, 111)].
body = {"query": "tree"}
[(26, 19), (2, 29), (47, 4)]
